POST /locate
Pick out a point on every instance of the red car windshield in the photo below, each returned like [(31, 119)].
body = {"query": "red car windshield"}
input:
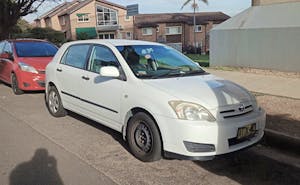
[(35, 49)]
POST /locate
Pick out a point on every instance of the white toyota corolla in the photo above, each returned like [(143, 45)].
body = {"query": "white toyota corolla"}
[(163, 103)]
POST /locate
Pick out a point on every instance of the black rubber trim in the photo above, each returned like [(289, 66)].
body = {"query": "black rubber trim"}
[(89, 102), (184, 157)]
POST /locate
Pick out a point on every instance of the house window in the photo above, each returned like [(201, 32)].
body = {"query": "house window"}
[(147, 31), (84, 17), (106, 36), (106, 16), (128, 35), (198, 28), (127, 18), (63, 20), (48, 22), (174, 30)]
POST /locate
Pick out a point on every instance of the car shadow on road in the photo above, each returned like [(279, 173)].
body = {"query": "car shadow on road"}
[(247, 168), (114, 134), (41, 169)]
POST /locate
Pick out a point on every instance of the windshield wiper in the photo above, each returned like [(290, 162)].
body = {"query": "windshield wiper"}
[(171, 72), (195, 72)]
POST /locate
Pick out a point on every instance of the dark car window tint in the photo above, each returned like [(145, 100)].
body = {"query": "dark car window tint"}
[(102, 56), (76, 56), (35, 49)]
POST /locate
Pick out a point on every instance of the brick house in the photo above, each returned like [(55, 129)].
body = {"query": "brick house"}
[(94, 18), (176, 29)]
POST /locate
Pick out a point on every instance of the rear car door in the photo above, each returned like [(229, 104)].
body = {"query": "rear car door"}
[(70, 73)]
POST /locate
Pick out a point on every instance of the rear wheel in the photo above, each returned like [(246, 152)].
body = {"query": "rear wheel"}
[(54, 103), (144, 138), (15, 85)]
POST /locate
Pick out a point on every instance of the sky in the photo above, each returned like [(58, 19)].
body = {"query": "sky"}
[(229, 7)]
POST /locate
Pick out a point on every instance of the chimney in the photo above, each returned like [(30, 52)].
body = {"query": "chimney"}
[(268, 2)]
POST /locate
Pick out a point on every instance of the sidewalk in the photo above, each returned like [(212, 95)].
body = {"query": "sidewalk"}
[(267, 84), (271, 85)]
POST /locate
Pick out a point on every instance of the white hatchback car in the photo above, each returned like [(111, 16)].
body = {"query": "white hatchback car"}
[(163, 103)]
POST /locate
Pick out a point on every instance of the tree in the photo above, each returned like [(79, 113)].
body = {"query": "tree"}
[(12, 10), (194, 6)]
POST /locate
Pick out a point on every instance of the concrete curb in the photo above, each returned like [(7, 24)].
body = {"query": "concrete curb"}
[(282, 141)]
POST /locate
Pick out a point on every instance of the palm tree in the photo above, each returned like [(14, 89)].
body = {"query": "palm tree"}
[(194, 6)]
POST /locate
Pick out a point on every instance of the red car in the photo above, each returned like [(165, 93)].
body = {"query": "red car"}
[(23, 63)]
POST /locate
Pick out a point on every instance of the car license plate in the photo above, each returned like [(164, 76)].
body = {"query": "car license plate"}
[(246, 131)]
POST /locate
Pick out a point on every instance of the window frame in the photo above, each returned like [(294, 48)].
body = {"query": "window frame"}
[(106, 22), (148, 28), (62, 59), (83, 18), (197, 28), (127, 18), (169, 27)]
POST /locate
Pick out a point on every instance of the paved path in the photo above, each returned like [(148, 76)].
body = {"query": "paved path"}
[(274, 85), (28, 157)]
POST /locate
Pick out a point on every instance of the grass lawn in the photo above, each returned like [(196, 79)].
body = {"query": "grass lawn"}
[(203, 60)]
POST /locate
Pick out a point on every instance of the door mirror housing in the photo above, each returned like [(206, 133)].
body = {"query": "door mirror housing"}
[(7, 56), (109, 71)]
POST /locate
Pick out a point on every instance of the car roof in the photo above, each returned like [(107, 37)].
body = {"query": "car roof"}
[(115, 42)]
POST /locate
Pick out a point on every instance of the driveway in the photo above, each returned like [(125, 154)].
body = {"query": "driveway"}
[(80, 151)]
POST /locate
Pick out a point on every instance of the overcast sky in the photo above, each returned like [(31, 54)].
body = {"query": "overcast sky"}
[(230, 7)]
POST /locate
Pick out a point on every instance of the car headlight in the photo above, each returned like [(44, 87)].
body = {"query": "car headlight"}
[(27, 68), (191, 111)]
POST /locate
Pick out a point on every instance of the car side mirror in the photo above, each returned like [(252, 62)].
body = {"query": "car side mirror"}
[(7, 56), (109, 71)]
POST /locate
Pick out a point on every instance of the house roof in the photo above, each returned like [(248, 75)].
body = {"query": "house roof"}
[(84, 3), (149, 20), (57, 9), (262, 17)]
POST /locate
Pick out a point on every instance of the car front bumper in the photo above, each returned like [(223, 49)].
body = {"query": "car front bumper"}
[(31, 82), (201, 140)]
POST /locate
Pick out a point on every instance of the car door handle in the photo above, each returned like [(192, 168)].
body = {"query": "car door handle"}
[(59, 69), (85, 77)]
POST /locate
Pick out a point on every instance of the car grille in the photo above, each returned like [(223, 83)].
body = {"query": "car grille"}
[(236, 111), (41, 83)]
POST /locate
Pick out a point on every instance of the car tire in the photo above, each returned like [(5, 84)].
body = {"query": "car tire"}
[(15, 85), (54, 103), (144, 138)]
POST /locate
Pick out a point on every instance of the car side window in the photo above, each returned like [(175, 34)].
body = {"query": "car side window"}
[(1, 46), (76, 56), (102, 56), (7, 48)]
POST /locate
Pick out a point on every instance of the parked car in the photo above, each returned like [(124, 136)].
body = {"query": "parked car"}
[(163, 103), (23, 63)]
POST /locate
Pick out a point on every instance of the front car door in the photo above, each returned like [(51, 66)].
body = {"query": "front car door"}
[(103, 94), (6, 66), (70, 73)]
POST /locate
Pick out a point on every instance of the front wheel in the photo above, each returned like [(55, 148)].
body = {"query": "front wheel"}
[(54, 103), (15, 85), (144, 138)]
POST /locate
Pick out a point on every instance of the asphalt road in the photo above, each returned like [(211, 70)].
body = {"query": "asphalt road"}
[(36, 148)]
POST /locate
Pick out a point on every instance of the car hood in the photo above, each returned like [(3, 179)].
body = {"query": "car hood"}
[(207, 90), (38, 63)]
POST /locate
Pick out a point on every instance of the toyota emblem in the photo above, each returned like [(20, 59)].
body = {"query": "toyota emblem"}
[(242, 107)]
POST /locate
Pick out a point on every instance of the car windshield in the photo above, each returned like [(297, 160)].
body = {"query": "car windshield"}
[(35, 49), (158, 61)]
